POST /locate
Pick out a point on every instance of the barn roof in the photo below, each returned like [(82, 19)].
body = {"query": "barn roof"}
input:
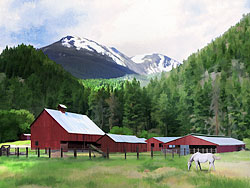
[(126, 138), (221, 141), (166, 139), (75, 123)]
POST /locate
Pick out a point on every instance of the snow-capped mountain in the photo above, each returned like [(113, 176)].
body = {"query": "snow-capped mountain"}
[(86, 58), (82, 43), (155, 63)]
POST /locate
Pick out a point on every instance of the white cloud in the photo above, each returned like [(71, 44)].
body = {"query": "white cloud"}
[(175, 28)]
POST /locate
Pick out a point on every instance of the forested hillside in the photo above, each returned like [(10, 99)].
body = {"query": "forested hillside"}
[(209, 93), (29, 80)]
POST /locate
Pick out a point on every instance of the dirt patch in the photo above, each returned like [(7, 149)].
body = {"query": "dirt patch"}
[(158, 171), (240, 169), (33, 186), (176, 182), (5, 173)]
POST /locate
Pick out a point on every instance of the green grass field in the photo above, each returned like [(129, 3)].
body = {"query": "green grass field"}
[(17, 143), (231, 171)]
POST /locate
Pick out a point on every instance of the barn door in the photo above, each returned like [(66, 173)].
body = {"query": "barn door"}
[(184, 148), (64, 146)]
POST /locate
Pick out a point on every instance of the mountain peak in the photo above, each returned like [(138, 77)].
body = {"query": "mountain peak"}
[(155, 62)]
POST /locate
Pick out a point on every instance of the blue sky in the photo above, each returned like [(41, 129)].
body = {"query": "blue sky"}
[(174, 28)]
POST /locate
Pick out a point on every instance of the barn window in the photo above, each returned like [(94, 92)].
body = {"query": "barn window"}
[(160, 145), (152, 145), (36, 143)]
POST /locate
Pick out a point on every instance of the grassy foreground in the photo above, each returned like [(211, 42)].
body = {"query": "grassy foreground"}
[(231, 171)]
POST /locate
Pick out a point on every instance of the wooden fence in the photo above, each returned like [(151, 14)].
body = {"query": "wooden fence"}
[(49, 153)]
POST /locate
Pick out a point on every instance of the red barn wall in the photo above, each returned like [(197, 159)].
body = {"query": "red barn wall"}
[(221, 149), (49, 133), (155, 142), (107, 142)]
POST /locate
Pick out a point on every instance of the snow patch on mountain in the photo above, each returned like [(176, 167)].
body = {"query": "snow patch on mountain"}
[(82, 43)]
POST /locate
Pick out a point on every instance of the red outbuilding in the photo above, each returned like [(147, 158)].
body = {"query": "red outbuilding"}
[(206, 143), (57, 129), (120, 143), (157, 143), (25, 137)]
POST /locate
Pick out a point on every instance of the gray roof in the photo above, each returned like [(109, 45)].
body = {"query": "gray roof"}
[(166, 139), (126, 138), (221, 141), (75, 123), (62, 106)]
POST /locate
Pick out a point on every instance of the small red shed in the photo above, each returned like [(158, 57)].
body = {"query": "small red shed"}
[(157, 143), (57, 129), (118, 143), (220, 143), (25, 136)]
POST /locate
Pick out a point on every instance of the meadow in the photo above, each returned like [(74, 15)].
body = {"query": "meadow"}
[(231, 171)]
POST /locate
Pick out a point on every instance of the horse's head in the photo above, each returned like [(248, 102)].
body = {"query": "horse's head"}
[(189, 165)]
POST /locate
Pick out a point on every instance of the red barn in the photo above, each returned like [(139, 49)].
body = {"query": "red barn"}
[(158, 142), (221, 144), (57, 129), (118, 143)]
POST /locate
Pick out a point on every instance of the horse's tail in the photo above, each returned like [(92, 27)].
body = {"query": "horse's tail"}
[(216, 158)]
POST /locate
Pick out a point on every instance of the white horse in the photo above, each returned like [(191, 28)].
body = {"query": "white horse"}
[(202, 158)]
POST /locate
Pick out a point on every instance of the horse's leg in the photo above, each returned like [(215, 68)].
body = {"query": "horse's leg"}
[(210, 164), (213, 166), (199, 164), (196, 163)]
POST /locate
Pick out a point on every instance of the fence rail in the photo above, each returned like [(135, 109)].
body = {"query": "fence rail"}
[(49, 153)]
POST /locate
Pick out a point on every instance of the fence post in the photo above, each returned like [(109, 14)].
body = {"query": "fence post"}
[(125, 152), (45, 151), (61, 152), (75, 153), (107, 153), (165, 152), (137, 150), (89, 152), (0, 152), (206, 150), (27, 152), (17, 154), (180, 152), (215, 150), (152, 153), (172, 153), (184, 151), (38, 152), (49, 152)]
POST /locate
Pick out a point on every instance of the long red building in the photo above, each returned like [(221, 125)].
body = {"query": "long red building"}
[(57, 129), (120, 143), (218, 143)]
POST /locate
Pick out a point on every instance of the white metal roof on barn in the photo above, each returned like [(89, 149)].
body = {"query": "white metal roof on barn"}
[(166, 139), (75, 123), (126, 138), (221, 141)]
